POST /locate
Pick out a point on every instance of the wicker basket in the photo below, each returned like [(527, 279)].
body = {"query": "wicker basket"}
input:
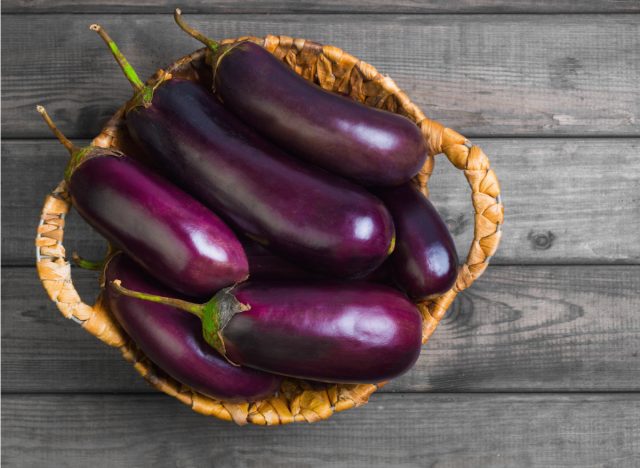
[(297, 400)]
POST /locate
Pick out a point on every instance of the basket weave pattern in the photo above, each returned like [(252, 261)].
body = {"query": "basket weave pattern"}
[(335, 70)]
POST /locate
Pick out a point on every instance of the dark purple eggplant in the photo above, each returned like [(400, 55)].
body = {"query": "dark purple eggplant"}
[(372, 146), (265, 265), (424, 263), (325, 331), (174, 237), (307, 215), (173, 341)]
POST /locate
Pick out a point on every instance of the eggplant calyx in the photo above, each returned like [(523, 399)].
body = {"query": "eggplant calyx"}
[(85, 153), (214, 314), (144, 96), (216, 57), (77, 158)]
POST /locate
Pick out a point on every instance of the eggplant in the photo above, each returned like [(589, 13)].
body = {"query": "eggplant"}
[(324, 331), (372, 146), (265, 265), (174, 342), (174, 237), (307, 215), (424, 263)]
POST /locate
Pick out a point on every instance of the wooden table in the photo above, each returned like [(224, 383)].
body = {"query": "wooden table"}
[(538, 364)]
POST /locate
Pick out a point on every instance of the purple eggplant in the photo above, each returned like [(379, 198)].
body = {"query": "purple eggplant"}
[(265, 265), (424, 263), (173, 341), (174, 237), (307, 215), (373, 146), (324, 331)]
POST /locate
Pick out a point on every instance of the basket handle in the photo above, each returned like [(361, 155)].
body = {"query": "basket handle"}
[(487, 203), (370, 85), (363, 80), (55, 272)]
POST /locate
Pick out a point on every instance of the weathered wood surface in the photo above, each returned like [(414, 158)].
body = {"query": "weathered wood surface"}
[(517, 329), (550, 94), (392, 430), (484, 75), (567, 200), (330, 6)]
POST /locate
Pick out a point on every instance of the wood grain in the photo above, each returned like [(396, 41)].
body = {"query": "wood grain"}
[(482, 75), (516, 329), (567, 201), (330, 6), (30, 170), (392, 430), (567, 323)]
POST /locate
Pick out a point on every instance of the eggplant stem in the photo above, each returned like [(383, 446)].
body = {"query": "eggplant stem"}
[(87, 264), (210, 43), (193, 308), (126, 67), (77, 154), (59, 135)]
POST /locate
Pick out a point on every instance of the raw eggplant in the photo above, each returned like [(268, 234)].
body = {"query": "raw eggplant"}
[(373, 146), (173, 341), (307, 215), (424, 263), (174, 237), (265, 265), (325, 331)]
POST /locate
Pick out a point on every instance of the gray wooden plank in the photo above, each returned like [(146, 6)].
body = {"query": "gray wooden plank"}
[(517, 329), (392, 430), (44, 352), (567, 201), (330, 6), (484, 75), (31, 169)]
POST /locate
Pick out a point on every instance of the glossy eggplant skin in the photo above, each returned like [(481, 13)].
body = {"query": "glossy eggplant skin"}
[(307, 215), (173, 340), (265, 265), (173, 236), (330, 332), (424, 263), (373, 146)]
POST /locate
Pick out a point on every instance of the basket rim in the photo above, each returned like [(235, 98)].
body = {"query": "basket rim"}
[(294, 403)]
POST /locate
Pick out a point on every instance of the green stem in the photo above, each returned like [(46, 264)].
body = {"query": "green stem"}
[(59, 135), (87, 264), (196, 309), (210, 43), (214, 314), (126, 67)]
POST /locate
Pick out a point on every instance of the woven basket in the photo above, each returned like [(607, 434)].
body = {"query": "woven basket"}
[(335, 70)]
